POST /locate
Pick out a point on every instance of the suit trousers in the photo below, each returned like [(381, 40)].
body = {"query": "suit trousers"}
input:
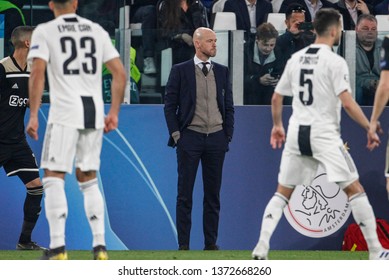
[(210, 149)]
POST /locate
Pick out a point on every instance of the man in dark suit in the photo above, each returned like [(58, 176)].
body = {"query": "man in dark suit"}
[(199, 113), (261, 8), (314, 6)]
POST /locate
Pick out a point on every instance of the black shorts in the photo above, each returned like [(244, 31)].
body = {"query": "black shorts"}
[(18, 159)]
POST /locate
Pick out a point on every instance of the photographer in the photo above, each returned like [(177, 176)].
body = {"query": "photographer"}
[(263, 66), (298, 34)]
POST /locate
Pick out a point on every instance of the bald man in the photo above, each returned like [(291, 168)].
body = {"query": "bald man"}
[(199, 113)]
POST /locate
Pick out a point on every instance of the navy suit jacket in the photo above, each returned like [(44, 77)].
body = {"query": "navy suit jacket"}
[(239, 7), (381, 8), (180, 97)]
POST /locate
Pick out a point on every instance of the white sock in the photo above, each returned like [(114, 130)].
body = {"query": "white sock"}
[(364, 216), (94, 210), (272, 216), (56, 209)]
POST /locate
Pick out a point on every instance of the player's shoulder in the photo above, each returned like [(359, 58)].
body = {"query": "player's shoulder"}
[(5, 59), (8, 65)]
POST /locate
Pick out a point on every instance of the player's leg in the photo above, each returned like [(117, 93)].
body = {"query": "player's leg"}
[(58, 153), (364, 216), (87, 163), (31, 210), (340, 168), (294, 170), (271, 217), (387, 168), (21, 162), (94, 209), (56, 209)]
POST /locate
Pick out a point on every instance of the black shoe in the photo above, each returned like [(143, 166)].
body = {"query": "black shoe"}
[(100, 253), (29, 246), (183, 248), (212, 247), (55, 254)]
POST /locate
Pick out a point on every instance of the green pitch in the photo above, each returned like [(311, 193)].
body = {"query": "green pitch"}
[(195, 255)]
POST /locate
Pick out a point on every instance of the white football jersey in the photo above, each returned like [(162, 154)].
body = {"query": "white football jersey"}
[(75, 49), (315, 76)]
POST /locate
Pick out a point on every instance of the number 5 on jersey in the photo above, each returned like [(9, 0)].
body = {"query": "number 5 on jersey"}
[(305, 93)]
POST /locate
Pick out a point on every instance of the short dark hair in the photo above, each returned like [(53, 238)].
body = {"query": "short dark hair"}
[(366, 17), (60, 1), (324, 19), (294, 8), (266, 31), (19, 34)]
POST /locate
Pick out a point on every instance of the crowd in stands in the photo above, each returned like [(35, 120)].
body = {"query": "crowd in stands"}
[(266, 49), (171, 23)]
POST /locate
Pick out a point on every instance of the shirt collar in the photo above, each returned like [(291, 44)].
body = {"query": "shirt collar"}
[(319, 4), (249, 4), (197, 61), (270, 58)]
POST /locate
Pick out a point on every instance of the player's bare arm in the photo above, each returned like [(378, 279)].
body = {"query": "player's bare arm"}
[(380, 100), (117, 89), (36, 85), (356, 113), (277, 137)]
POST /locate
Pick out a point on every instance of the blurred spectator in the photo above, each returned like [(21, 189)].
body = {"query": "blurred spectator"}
[(382, 8), (351, 10), (104, 12), (249, 13), (145, 12), (294, 39), (311, 6), (367, 59), (208, 5), (178, 19), (13, 17), (262, 66)]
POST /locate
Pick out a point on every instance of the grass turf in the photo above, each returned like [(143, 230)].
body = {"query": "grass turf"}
[(194, 255)]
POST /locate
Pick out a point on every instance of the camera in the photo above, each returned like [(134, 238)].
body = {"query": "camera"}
[(275, 75), (306, 26)]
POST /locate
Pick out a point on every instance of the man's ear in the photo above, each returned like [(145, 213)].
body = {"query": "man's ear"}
[(333, 31), (51, 5)]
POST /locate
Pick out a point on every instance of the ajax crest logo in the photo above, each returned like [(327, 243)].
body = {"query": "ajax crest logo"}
[(318, 210)]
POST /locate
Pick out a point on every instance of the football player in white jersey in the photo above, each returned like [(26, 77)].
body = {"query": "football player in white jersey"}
[(380, 100), (73, 50), (317, 78)]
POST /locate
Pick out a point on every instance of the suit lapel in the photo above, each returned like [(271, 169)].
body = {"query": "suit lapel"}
[(218, 80), (190, 72), (245, 14)]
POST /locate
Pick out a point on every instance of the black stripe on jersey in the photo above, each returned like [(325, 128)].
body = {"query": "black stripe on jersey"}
[(304, 140), (89, 112), (17, 65), (312, 50), (347, 158), (71, 19)]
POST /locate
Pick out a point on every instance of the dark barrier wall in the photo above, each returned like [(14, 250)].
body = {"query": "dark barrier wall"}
[(138, 177)]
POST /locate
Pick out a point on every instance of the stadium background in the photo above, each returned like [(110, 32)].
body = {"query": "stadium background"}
[(138, 176)]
